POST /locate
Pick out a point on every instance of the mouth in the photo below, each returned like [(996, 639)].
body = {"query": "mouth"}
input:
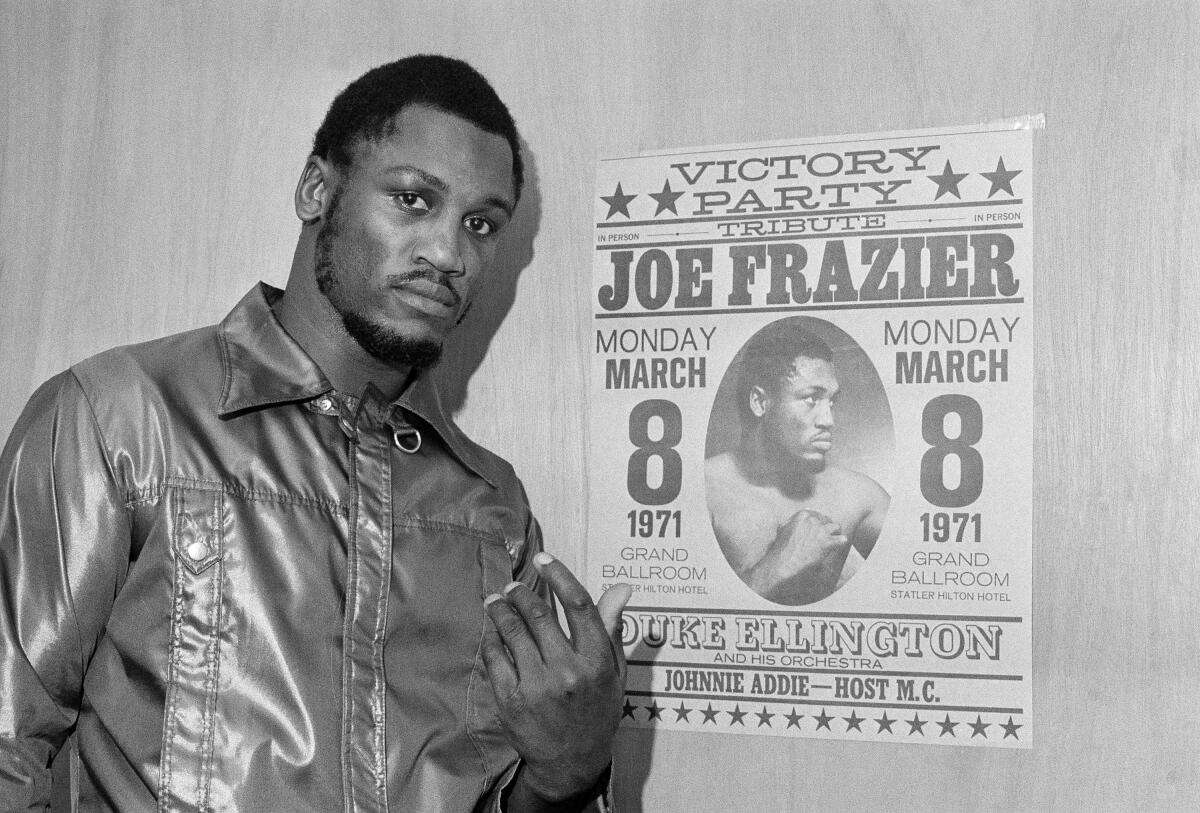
[(426, 293), (822, 442)]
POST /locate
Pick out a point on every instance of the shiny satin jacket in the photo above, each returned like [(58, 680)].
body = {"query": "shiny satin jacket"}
[(241, 593)]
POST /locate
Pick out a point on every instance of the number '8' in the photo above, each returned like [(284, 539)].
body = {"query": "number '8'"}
[(637, 478), (970, 461)]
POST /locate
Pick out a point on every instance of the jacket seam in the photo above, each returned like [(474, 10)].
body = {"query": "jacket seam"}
[(112, 478), (153, 493), (349, 790), (173, 655), (418, 521), (212, 655), (378, 642)]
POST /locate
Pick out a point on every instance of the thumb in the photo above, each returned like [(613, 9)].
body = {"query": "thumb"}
[(610, 606)]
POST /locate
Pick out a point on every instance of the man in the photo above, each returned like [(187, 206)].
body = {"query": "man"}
[(256, 567), (794, 526)]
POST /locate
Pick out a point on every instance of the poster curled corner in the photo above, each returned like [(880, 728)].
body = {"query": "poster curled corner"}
[(1030, 121)]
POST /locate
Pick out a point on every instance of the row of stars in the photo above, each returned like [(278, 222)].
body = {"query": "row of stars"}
[(947, 184), (824, 720)]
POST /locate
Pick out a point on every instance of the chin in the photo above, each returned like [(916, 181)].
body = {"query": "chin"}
[(813, 461), (411, 348)]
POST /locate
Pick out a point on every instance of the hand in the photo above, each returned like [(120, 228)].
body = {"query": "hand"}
[(804, 561), (559, 698)]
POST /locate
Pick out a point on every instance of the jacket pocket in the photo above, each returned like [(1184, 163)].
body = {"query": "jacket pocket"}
[(444, 741), (198, 524), (482, 721)]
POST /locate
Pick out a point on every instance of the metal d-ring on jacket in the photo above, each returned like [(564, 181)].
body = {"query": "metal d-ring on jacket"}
[(244, 591)]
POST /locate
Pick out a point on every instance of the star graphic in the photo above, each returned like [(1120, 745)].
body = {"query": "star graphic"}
[(618, 202), (978, 728), (916, 725), (666, 199), (793, 718), (1010, 728), (1001, 179), (947, 182), (885, 723), (764, 718), (823, 720), (628, 710), (854, 721), (682, 712), (655, 711), (710, 715), (947, 726), (736, 715)]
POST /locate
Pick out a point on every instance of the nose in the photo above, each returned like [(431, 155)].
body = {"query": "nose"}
[(824, 416), (438, 246)]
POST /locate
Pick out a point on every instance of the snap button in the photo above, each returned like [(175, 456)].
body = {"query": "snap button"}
[(407, 440), (324, 403), (197, 551)]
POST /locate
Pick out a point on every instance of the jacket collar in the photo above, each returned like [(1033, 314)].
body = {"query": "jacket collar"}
[(264, 366)]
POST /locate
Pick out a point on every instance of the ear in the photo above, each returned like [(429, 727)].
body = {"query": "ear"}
[(760, 401), (314, 190)]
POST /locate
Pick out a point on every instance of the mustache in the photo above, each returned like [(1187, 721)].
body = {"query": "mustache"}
[(428, 275)]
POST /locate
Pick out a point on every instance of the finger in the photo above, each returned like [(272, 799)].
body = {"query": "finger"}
[(541, 621), (610, 606), (501, 674), (513, 632), (588, 635)]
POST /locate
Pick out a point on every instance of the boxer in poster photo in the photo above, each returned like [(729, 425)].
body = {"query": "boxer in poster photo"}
[(794, 524)]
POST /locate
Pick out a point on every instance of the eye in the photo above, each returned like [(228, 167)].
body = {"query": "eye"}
[(479, 225), (413, 201)]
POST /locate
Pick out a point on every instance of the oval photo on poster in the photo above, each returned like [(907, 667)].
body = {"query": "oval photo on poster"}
[(798, 458)]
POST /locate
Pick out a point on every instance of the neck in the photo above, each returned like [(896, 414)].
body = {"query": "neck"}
[(308, 318), (760, 463)]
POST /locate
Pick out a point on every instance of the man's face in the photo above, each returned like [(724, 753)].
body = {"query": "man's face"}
[(797, 414), (410, 227)]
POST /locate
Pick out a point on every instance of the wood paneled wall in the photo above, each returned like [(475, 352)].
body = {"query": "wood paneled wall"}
[(148, 152)]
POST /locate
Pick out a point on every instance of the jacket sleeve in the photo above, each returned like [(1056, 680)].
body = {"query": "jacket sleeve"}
[(495, 802), (64, 546)]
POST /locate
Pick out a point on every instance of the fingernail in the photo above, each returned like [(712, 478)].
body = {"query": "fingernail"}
[(510, 587), (542, 559), (494, 597)]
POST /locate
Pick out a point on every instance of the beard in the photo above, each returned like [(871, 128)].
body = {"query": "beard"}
[(390, 346), (378, 340)]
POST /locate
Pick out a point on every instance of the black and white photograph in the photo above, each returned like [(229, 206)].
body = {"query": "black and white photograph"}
[(632, 406)]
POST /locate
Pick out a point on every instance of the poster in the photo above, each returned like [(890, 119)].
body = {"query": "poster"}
[(811, 406)]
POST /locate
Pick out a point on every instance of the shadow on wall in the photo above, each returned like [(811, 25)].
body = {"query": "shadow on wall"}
[(634, 747), (494, 298)]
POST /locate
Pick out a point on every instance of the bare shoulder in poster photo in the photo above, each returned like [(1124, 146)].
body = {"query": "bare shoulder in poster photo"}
[(799, 426)]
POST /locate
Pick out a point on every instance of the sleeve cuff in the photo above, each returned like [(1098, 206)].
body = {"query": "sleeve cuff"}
[(601, 803)]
